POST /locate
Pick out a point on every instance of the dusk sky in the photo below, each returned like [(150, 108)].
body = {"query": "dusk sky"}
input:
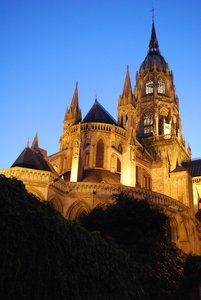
[(46, 46)]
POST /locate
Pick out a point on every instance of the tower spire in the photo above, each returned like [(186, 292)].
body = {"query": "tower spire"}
[(74, 102), (127, 90), (34, 145), (73, 114), (153, 44)]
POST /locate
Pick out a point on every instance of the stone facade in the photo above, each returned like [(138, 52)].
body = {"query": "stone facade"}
[(142, 154)]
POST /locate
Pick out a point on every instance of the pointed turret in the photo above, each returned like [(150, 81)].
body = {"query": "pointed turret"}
[(126, 105), (127, 95), (153, 44), (74, 103), (34, 145), (127, 90), (73, 114)]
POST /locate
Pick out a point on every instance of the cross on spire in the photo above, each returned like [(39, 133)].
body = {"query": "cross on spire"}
[(153, 11)]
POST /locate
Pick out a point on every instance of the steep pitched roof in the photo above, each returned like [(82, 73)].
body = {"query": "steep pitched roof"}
[(74, 103), (193, 166), (98, 114), (153, 44), (32, 159)]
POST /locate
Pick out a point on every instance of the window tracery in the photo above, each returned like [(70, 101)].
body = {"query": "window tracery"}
[(100, 154), (161, 87), (148, 122), (149, 87)]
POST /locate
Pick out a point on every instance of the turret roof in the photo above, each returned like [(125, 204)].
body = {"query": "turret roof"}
[(98, 114), (154, 59), (153, 44), (193, 166), (127, 84), (33, 158)]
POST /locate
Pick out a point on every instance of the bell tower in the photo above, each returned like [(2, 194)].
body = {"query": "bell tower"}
[(157, 106)]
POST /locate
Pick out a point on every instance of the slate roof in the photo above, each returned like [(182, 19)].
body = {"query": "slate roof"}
[(98, 114), (193, 166), (178, 169), (29, 158), (96, 175), (100, 176)]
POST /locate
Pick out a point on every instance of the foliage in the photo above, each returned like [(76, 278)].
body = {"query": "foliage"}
[(143, 232), (43, 256)]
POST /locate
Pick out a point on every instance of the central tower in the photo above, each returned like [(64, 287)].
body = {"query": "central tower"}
[(159, 127)]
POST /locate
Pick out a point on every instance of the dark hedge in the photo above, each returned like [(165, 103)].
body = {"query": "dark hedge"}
[(43, 256), (142, 231)]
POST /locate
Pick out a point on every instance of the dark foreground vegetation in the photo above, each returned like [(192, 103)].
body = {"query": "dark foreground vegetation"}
[(122, 252)]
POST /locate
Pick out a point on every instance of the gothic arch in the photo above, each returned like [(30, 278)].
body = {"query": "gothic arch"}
[(86, 158), (183, 233), (78, 208), (120, 148), (36, 193), (148, 121), (184, 241), (118, 165), (57, 203), (174, 230), (100, 152), (149, 86), (161, 86)]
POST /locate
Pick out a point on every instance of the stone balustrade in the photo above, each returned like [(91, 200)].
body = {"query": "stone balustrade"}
[(138, 193), (98, 127), (46, 178), (32, 176), (196, 179)]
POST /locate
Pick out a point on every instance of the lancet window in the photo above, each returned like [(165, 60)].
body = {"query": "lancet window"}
[(118, 165), (161, 87), (100, 154), (149, 87), (148, 122)]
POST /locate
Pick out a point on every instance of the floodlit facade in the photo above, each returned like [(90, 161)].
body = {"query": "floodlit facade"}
[(142, 153)]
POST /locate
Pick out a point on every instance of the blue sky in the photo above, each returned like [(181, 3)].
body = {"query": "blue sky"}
[(46, 46)]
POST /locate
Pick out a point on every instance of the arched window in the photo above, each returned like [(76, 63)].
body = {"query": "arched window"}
[(120, 148), (122, 121), (148, 122), (100, 154), (118, 165), (161, 87), (87, 159), (149, 87), (126, 120)]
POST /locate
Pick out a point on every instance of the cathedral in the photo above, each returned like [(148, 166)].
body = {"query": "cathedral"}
[(142, 153)]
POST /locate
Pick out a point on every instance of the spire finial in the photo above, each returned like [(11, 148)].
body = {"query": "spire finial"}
[(153, 44), (28, 143), (127, 90), (34, 145), (153, 11)]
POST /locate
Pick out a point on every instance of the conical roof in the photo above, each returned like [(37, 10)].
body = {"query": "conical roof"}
[(31, 159), (127, 90), (153, 44), (98, 114), (154, 59), (74, 103)]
